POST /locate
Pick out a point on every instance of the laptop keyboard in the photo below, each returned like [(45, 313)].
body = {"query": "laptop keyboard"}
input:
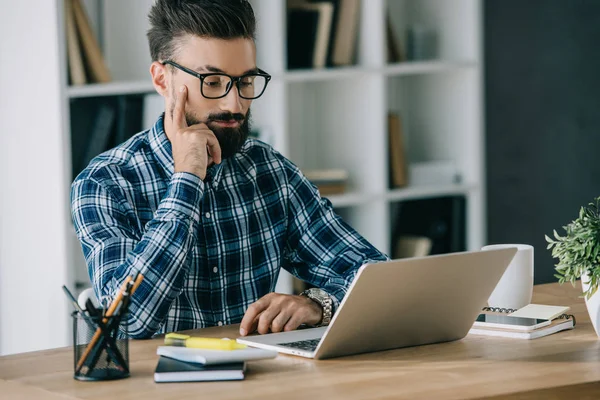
[(308, 345)]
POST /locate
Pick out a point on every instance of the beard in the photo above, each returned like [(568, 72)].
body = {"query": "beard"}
[(230, 140)]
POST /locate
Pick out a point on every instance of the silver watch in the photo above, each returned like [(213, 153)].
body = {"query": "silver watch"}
[(324, 300)]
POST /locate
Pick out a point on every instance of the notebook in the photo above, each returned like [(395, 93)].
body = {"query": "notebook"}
[(171, 370), (560, 323), (540, 311), (213, 357)]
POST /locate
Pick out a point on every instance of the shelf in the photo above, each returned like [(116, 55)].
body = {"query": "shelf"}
[(349, 199), (306, 75), (423, 192), (408, 193), (324, 74), (426, 67), (111, 89)]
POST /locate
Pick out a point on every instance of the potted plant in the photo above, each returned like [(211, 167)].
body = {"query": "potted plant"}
[(578, 254)]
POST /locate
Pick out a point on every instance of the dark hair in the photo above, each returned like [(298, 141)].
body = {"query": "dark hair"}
[(220, 19)]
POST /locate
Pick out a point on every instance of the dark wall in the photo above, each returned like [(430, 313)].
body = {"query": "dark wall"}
[(542, 61)]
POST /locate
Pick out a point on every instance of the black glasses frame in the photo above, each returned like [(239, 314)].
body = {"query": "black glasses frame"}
[(234, 79)]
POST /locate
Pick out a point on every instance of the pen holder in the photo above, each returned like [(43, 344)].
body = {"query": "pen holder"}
[(100, 351)]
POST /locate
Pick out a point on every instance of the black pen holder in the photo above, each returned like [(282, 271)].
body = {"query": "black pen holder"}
[(100, 347)]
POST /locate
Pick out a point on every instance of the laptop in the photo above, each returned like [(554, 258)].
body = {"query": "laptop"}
[(400, 303)]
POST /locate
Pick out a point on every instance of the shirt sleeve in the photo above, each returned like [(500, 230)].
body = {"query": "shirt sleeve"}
[(113, 249), (321, 248)]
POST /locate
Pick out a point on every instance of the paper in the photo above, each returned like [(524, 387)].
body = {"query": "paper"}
[(540, 311)]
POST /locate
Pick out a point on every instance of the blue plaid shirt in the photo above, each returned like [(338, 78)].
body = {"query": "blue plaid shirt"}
[(207, 249)]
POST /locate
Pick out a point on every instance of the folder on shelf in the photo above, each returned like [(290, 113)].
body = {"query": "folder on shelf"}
[(346, 32), (97, 68), (394, 49), (309, 29), (74, 57), (398, 167)]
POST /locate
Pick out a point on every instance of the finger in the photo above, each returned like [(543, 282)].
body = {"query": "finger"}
[(214, 148), (179, 111), (254, 325), (266, 319), (279, 322), (294, 322), (246, 326)]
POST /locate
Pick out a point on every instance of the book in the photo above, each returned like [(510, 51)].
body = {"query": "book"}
[(74, 57), (397, 154), (328, 181), (98, 71), (213, 357), (171, 370), (540, 311), (302, 28), (334, 24), (309, 29), (560, 323), (129, 117), (394, 51), (99, 137), (346, 33), (556, 325)]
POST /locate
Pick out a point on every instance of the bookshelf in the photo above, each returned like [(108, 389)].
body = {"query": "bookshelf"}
[(337, 117), (326, 118)]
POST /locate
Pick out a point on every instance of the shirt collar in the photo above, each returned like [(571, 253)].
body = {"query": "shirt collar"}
[(162, 149)]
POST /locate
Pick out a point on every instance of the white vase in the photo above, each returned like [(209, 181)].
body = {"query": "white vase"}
[(593, 304)]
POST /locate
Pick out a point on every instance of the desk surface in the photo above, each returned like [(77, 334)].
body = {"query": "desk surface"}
[(474, 367)]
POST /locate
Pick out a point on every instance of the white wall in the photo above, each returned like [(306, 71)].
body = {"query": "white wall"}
[(33, 180)]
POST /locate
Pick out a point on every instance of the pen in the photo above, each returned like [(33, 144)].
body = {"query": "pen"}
[(176, 339)]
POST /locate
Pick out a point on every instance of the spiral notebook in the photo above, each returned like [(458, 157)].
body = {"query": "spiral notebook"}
[(560, 323)]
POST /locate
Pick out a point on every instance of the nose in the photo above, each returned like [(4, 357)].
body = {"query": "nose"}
[(232, 102)]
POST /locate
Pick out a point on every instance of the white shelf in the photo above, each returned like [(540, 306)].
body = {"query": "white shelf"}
[(111, 89), (408, 193), (423, 192), (426, 67), (399, 69), (349, 199), (306, 75), (325, 74)]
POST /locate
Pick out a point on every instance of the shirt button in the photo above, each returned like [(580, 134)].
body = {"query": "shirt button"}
[(215, 270), (220, 323), (207, 215)]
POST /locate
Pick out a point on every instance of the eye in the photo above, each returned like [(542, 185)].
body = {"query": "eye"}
[(213, 81), (247, 81)]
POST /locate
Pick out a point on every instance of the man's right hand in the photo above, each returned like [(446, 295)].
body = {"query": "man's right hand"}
[(192, 144)]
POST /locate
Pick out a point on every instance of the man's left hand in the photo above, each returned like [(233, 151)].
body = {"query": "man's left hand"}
[(278, 312)]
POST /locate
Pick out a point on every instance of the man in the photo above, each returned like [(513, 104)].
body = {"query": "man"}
[(206, 215)]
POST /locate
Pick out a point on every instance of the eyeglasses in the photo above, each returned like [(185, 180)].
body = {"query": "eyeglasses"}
[(217, 85)]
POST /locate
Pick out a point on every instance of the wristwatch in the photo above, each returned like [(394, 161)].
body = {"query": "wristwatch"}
[(324, 300)]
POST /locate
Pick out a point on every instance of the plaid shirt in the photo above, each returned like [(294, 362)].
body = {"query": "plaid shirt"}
[(207, 249)]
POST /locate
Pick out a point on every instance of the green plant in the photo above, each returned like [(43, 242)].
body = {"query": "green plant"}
[(577, 252)]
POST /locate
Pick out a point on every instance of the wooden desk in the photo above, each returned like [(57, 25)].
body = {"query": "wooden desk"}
[(474, 367)]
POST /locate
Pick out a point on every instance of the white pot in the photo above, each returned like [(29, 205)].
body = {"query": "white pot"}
[(593, 304)]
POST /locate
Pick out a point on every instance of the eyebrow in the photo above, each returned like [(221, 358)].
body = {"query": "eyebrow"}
[(210, 68)]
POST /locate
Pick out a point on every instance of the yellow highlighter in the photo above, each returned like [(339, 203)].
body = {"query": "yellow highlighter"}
[(177, 339)]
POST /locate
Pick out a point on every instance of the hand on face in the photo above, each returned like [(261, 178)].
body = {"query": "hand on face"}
[(277, 312), (195, 147)]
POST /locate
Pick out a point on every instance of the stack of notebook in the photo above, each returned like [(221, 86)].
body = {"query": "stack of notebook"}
[(184, 364), (560, 321)]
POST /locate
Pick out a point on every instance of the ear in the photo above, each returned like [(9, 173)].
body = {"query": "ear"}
[(158, 72)]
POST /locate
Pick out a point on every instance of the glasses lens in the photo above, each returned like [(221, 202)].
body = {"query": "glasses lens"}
[(252, 86), (215, 86)]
